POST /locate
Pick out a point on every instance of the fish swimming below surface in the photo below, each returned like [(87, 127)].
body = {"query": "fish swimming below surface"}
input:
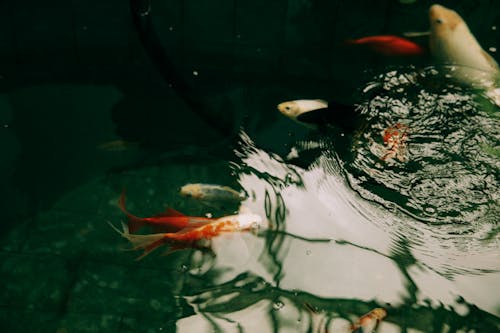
[(369, 322), (211, 193), (170, 220), (118, 146), (294, 109), (190, 237), (389, 45), (395, 138), (314, 113)]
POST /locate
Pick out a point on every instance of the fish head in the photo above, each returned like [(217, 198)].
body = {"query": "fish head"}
[(191, 190), (293, 109), (378, 313), (443, 20)]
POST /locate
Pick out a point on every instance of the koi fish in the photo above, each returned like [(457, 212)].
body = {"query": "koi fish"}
[(296, 108), (452, 43), (365, 324), (395, 138), (368, 322), (190, 236), (389, 45), (170, 220), (210, 192), (314, 112)]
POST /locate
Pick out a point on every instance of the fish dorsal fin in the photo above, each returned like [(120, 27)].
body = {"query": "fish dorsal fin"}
[(170, 212)]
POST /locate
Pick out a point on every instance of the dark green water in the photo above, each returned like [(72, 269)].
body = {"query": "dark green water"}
[(347, 233)]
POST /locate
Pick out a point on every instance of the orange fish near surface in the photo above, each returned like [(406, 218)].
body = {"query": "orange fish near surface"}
[(390, 45), (395, 138), (368, 322), (189, 236), (170, 220)]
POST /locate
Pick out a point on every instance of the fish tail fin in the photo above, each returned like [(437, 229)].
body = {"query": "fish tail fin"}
[(134, 222), (148, 243)]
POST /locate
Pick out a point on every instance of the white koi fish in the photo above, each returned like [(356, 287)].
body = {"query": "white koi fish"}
[(452, 43), (296, 108), (211, 192)]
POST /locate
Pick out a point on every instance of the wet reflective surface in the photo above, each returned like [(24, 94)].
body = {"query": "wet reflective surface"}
[(399, 213), (417, 236)]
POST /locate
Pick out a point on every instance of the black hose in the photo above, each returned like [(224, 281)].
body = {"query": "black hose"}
[(141, 14)]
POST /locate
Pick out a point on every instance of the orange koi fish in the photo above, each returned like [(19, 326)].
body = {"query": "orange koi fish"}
[(368, 322), (189, 236), (389, 45), (170, 220), (395, 138)]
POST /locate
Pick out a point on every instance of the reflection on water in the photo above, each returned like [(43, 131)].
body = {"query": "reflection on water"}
[(349, 234), (451, 175)]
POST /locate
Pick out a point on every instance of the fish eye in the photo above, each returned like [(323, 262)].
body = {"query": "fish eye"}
[(439, 21), (287, 108)]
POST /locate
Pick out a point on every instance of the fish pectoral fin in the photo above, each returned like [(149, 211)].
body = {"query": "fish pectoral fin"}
[(416, 33)]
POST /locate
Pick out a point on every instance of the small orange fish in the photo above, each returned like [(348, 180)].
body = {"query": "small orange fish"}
[(390, 45), (395, 138), (368, 322), (189, 236), (170, 220)]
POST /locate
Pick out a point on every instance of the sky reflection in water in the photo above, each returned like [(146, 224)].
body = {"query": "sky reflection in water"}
[(336, 244)]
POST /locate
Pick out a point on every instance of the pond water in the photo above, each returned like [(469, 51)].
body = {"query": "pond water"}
[(418, 237), (350, 225)]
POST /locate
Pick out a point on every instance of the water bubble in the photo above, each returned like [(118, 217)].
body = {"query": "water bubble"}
[(6, 125), (492, 49), (278, 305), (209, 215), (238, 36), (308, 252), (183, 268), (170, 28), (494, 27), (430, 210), (85, 28), (195, 73)]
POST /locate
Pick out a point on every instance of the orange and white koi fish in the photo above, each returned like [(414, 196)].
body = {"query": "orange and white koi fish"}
[(170, 220), (189, 236), (389, 45), (395, 138), (368, 322), (211, 192)]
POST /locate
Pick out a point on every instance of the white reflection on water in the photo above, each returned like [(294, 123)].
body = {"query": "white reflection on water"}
[(331, 238)]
